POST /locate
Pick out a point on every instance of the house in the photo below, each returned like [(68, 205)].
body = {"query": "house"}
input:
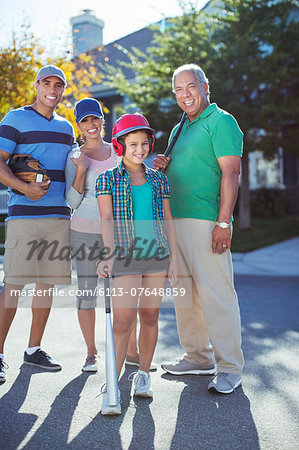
[(84, 28)]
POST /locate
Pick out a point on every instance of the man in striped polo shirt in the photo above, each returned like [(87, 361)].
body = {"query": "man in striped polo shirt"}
[(37, 236)]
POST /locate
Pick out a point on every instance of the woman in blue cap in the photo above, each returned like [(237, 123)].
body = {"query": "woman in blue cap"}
[(83, 166), (82, 169)]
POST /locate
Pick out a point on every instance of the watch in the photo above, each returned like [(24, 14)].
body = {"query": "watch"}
[(223, 224)]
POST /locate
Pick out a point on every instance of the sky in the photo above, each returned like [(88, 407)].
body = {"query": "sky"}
[(50, 20)]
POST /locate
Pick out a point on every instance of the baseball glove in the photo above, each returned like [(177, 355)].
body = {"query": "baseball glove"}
[(27, 169)]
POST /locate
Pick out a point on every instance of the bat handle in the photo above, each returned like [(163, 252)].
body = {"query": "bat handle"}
[(167, 151), (107, 291), (174, 139)]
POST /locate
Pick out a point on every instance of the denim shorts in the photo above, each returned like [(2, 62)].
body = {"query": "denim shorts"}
[(122, 267)]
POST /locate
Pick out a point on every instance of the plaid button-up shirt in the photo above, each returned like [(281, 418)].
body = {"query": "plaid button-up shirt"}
[(117, 183)]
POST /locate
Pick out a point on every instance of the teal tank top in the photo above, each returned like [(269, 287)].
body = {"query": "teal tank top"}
[(142, 204)]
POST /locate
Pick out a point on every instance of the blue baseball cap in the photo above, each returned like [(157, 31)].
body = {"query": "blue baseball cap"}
[(51, 71), (87, 107)]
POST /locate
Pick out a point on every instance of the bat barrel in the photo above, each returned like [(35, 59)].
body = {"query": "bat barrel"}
[(110, 364), (110, 361)]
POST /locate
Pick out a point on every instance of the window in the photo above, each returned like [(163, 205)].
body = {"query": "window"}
[(265, 173)]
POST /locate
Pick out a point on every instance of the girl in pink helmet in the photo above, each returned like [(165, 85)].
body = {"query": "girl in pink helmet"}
[(140, 245)]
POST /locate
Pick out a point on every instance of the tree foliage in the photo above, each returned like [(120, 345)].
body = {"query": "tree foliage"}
[(258, 79), (184, 40), (19, 64), (249, 51)]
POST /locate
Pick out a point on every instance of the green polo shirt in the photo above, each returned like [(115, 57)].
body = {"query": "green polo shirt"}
[(194, 173)]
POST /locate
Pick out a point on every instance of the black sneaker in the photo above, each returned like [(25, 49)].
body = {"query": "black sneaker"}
[(41, 359), (3, 367)]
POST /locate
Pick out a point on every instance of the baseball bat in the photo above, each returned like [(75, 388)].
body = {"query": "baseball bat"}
[(110, 361), (175, 137)]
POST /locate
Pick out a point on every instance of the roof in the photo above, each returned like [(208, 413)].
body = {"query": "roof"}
[(113, 53)]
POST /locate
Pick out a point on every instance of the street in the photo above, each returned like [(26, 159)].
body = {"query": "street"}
[(61, 410)]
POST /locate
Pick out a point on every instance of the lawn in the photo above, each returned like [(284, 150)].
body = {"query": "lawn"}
[(264, 232)]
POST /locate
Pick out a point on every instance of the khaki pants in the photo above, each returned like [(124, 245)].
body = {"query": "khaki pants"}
[(214, 316)]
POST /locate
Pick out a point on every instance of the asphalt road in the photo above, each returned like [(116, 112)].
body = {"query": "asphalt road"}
[(42, 410)]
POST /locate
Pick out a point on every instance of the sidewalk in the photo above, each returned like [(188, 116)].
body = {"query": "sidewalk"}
[(280, 259)]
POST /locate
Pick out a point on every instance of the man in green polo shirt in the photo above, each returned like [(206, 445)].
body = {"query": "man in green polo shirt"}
[(203, 175)]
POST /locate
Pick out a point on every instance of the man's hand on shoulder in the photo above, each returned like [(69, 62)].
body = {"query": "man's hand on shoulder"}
[(161, 162)]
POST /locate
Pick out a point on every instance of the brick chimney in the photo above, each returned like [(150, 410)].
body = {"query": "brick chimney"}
[(87, 31)]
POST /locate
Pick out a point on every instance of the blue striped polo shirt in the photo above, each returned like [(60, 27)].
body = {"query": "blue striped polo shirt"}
[(25, 131)]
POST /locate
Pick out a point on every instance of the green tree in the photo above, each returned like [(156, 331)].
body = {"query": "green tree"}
[(184, 40), (248, 50), (19, 63), (257, 78)]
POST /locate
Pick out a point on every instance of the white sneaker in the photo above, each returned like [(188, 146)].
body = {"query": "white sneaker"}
[(91, 364), (107, 410), (142, 384)]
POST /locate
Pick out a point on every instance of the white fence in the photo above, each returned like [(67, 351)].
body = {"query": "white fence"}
[(3, 201)]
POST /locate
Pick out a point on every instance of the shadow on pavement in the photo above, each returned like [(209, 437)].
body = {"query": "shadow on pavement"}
[(143, 426), (15, 425), (211, 421), (104, 431), (54, 431)]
